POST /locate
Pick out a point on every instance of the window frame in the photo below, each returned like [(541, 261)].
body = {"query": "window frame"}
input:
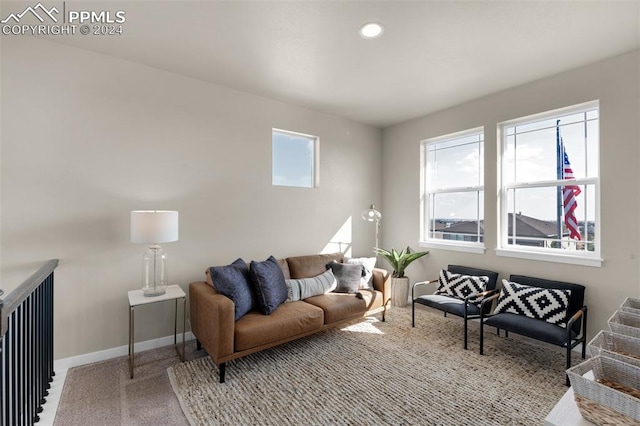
[(583, 257), (315, 175), (425, 195)]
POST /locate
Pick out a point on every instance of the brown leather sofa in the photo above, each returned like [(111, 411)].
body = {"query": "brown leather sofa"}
[(224, 339)]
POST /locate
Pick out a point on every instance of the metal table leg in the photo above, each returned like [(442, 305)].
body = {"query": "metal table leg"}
[(181, 354), (184, 326), (131, 340)]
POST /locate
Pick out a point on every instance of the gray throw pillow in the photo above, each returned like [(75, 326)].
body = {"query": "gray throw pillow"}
[(233, 281), (269, 287), (348, 276)]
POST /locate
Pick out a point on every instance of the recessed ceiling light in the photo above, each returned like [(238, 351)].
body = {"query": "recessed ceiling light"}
[(371, 30)]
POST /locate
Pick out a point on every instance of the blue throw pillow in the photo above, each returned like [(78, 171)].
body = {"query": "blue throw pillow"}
[(269, 287), (233, 281)]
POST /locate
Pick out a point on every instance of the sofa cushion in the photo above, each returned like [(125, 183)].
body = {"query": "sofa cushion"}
[(303, 288), (269, 287), (285, 268), (311, 266), (348, 276), (341, 306), (288, 320), (461, 286), (369, 263), (372, 299), (233, 281), (545, 304)]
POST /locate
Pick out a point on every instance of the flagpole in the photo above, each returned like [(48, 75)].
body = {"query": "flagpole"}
[(559, 169)]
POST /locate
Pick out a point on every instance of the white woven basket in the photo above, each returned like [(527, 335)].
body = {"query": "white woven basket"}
[(602, 404), (618, 346), (631, 305), (625, 323)]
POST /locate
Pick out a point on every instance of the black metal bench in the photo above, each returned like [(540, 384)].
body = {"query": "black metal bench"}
[(567, 337), (452, 305)]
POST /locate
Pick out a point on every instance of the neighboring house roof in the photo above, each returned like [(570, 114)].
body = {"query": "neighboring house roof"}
[(439, 226), (466, 227), (526, 226)]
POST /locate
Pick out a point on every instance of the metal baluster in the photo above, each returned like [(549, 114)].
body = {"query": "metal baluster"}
[(50, 325), (26, 348)]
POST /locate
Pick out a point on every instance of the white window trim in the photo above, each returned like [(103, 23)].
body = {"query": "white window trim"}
[(592, 259), (545, 256), (316, 158), (461, 246), (453, 245)]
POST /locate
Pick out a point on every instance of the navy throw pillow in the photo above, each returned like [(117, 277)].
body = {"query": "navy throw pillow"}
[(269, 287), (347, 275), (233, 281)]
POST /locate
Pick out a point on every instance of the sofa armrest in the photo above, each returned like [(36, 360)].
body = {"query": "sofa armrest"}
[(382, 283), (212, 320)]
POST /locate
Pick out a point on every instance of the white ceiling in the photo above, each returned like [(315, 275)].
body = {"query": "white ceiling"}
[(433, 55)]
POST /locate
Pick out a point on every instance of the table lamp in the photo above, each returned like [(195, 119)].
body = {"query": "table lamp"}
[(154, 227)]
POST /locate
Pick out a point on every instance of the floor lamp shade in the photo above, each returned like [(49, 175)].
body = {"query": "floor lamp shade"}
[(373, 215), (154, 227)]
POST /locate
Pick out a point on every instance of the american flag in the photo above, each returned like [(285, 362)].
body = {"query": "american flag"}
[(569, 194)]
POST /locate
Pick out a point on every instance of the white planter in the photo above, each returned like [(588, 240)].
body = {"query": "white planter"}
[(399, 292)]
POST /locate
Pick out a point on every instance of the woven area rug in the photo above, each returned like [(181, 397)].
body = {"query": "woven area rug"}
[(375, 372)]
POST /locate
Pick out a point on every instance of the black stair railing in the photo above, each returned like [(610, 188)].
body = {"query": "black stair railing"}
[(26, 347)]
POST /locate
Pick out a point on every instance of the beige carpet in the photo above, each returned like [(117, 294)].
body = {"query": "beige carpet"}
[(379, 373), (102, 394)]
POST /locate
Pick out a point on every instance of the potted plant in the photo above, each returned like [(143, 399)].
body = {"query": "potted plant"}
[(399, 262)]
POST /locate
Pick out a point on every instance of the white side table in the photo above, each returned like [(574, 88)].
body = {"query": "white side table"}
[(137, 298)]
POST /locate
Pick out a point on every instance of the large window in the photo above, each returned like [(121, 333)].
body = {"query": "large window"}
[(294, 157), (550, 181), (452, 205)]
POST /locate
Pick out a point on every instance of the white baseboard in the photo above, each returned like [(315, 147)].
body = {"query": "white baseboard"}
[(74, 361)]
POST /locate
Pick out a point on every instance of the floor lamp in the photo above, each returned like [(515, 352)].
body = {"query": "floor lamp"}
[(373, 215)]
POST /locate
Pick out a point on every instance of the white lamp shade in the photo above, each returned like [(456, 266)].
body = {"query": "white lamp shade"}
[(154, 226)]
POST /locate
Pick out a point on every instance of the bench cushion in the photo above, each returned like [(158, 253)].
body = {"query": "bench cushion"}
[(447, 304), (534, 328), (288, 320)]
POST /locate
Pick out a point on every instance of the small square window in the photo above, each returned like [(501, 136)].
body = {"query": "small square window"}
[(294, 157)]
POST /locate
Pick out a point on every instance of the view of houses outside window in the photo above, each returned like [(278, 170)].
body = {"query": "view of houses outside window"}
[(294, 159), (550, 182), (453, 190)]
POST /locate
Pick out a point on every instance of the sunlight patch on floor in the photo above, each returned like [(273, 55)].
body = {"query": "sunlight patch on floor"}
[(368, 326)]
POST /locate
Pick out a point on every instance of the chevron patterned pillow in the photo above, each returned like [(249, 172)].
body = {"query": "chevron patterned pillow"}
[(548, 304), (460, 286)]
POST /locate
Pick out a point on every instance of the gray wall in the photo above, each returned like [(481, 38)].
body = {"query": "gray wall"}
[(616, 83), (86, 138)]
